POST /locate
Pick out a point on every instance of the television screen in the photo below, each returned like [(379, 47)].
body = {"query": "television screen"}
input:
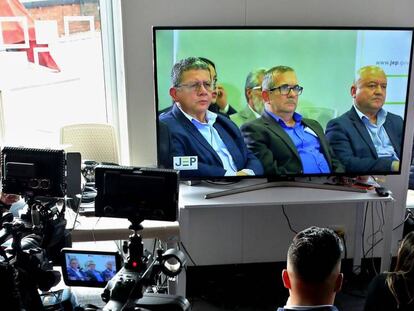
[(134, 193), (281, 102)]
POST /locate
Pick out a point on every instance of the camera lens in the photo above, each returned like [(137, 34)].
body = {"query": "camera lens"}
[(44, 184), (33, 183)]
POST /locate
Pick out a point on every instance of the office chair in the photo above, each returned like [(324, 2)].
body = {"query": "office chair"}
[(94, 141)]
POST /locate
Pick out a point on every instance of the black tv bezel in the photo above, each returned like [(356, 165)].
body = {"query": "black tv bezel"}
[(244, 27), (163, 208)]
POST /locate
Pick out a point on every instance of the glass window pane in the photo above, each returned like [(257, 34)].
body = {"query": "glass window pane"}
[(51, 69)]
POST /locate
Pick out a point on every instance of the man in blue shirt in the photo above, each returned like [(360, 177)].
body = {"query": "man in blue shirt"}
[(312, 275), (108, 273), (93, 274), (74, 272), (367, 138), (204, 144), (284, 142)]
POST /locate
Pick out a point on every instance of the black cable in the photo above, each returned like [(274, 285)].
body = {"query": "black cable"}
[(373, 238), (287, 219), (78, 207), (393, 229), (188, 254), (154, 246), (363, 230)]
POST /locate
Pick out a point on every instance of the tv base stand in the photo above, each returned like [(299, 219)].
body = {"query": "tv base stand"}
[(282, 184)]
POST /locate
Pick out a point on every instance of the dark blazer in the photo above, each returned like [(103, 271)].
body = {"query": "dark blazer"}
[(187, 141), (72, 275), (350, 140), (276, 150), (215, 108)]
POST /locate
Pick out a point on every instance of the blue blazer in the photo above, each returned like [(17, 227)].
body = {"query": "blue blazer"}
[(72, 275), (352, 144), (187, 141)]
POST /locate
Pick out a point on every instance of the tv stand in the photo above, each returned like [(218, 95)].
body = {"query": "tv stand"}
[(272, 184)]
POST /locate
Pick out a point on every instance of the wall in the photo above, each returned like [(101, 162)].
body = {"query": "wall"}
[(139, 16)]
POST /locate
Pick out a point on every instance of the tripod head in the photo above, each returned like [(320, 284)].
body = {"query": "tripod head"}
[(140, 271)]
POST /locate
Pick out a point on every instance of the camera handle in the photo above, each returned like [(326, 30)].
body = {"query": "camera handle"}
[(129, 283)]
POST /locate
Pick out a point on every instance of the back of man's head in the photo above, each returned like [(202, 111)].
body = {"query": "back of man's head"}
[(314, 254)]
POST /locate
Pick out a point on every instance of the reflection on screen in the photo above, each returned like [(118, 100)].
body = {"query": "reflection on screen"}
[(325, 62), (90, 268)]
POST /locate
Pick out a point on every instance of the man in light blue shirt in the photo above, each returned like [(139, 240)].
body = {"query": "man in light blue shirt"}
[(204, 144), (367, 138)]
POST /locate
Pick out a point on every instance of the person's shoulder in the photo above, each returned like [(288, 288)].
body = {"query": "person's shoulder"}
[(378, 283), (257, 123), (343, 118), (394, 117), (312, 122)]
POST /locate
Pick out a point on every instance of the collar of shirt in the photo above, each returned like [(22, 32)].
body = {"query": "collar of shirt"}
[(296, 116), (210, 117), (254, 112), (381, 116)]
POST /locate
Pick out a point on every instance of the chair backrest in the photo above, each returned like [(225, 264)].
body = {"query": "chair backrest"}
[(321, 114), (94, 141)]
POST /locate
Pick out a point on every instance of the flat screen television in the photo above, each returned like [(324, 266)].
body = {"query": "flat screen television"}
[(325, 61)]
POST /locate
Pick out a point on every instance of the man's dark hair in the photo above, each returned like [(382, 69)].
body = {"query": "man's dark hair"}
[(314, 253), (186, 64), (209, 62)]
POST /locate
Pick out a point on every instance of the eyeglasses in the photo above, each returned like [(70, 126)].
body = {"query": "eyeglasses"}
[(285, 89), (196, 87)]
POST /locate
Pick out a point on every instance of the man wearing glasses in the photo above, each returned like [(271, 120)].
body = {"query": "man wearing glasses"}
[(367, 138), (284, 142), (205, 144), (253, 93)]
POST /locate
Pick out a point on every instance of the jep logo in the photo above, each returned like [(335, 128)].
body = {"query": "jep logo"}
[(186, 163)]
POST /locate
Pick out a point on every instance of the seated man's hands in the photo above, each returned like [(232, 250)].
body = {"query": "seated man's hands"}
[(221, 99)]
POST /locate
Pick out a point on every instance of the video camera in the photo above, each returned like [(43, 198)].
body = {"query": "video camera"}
[(39, 176), (137, 194)]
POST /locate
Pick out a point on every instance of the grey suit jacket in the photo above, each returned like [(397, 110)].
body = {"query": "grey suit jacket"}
[(244, 116)]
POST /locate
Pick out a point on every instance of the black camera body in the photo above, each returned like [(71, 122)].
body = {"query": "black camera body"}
[(134, 193), (39, 175)]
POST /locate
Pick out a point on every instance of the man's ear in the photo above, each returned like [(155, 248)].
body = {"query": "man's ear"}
[(265, 95), (173, 93), (286, 279), (353, 90), (248, 93), (338, 282)]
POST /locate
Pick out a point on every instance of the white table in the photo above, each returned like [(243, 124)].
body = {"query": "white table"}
[(245, 227), (108, 229)]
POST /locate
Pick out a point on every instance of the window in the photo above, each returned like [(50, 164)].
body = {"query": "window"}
[(52, 69)]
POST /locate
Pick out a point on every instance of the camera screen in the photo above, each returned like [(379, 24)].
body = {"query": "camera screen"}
[(89, 268)]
